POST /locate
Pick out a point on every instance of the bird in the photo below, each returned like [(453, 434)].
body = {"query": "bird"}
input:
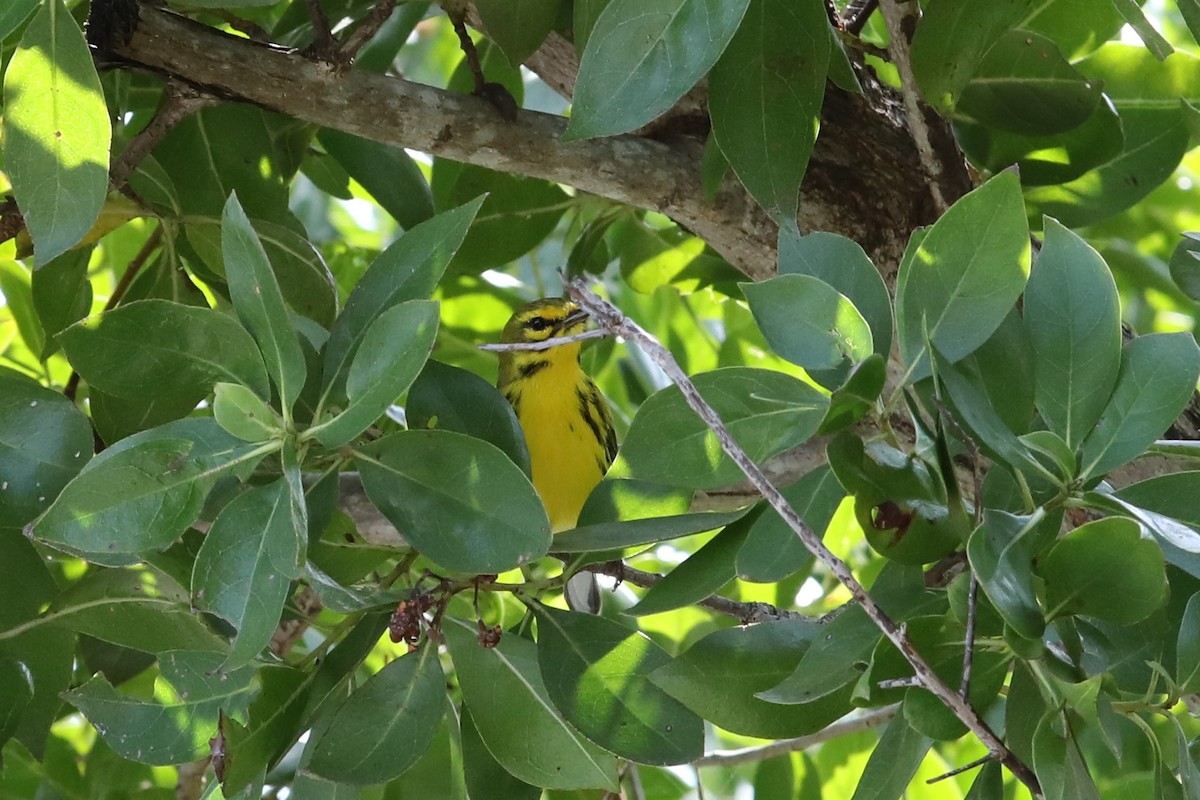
[(566, 420)]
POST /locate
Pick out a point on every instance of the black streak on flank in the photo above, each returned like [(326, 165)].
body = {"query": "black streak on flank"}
[(514, 400), (531, 368), (588, 411)]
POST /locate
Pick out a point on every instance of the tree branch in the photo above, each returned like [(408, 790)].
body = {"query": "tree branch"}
[(843, 727), (609, 317)]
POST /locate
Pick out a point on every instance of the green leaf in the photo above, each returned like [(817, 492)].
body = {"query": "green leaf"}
[(1001, 551), (121, 351), (57, 132), (388, 173), (519, 26), (772, 550), (638, 532), (138, 499), (244, 414), (1154, 41), (1157, 378), (484, 775), (719, 676), (408, 270), (176, 732), (595, 672), (767, 412), (46, 653), (1057, 761), (641, 57), (458, 500), (15, 13), (1002, 369), (765, 96), (62, 294), (392, 351), (1185, 263), (893, 762), (791, 775), (502, 684), (952, 39), (962, 280), (1024, 85), (259, 303), (304, 279), (385, 725), (1165, 504), (1187, 649), (138, 609), (454, 399), (1073, 317), (1099, 561), (44, 443), (701, 574), (1155, 142), (244, 568), (808, 322), (1045, 160), (841, 263)]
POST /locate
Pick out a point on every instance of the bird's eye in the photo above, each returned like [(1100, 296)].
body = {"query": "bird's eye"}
[(538, 324)]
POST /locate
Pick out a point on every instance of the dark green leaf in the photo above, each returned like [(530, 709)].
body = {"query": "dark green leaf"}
[(641, 57), (1185, 263), (792, 775), (952, 39), (962, 280), (772, 550), (303, 278), (454, 399), (719, 676), (1187, 651), (139, 609), (1165, 505), (259, 303), (1157, 378), (808, 322), (44, 443), (408, 270), (842, 264), (392, 351), (767, 412), (893, 762), (1099, 561), (1058, 763), (460, 501), (637, 532), (138, 499), (121, 351), (62, 294), (1073, 317), (244, 568), (1024, 85), (1001, 551), (595, 672), (12, 15), (1154, 41), (700, 576), (519, 26), (502, 684), (484, 776), (388, 173), (1045, 160), (56, 132), (765, 96), (386, 724)]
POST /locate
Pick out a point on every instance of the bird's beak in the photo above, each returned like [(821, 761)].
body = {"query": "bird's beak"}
[(575, 318)]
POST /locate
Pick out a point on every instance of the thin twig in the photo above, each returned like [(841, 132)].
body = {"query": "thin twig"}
[(900, 683), (746, 613), (964, 688), (609, 317), (180, 100), (372, 22), (500, 347), (894, 16), (979, 762), (843, 727), (857, 13), (322, 43)]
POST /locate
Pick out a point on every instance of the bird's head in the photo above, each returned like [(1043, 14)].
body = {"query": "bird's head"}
[(544, 319)]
